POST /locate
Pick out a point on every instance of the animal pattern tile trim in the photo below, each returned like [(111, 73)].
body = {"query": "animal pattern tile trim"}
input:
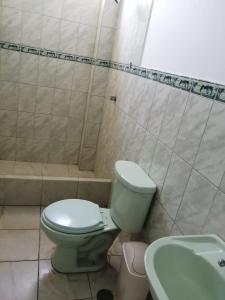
[(203, 88)]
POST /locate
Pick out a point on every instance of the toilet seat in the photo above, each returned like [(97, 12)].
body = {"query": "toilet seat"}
[(73, 216)]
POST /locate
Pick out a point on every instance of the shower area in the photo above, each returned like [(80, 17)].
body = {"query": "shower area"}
[(53, 78)]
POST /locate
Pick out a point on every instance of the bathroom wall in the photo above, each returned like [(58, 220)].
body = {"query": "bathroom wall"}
[(177, 137), (180, 28), (99, 80), (42, 99)]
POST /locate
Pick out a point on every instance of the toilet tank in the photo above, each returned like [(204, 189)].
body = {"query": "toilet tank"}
[(132, 194)]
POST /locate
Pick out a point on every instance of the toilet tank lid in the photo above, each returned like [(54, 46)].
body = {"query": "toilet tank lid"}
[(132, 176)]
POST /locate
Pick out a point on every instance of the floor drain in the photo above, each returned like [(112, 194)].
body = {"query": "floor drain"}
[(104, 295)]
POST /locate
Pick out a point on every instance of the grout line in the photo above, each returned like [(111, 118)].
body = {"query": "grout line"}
[(39, 249), (27, 260), (89, 282)]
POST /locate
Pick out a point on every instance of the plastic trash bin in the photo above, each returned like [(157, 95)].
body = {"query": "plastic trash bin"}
[(132, 281)]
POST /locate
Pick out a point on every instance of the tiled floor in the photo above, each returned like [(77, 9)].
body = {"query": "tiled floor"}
[(41, 169), (25, 268)]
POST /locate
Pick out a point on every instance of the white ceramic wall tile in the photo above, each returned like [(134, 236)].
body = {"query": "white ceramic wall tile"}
[(91, 135), (56, 150), (44, 100), (77, 104), (158, 108), (192, 127), (173, 115), (11, 23), (86, 38), (29, 69), (42, 126), (71, 10), (25, 125), (147, 152), (159, 223), (95, 109), (160, 163), (71, 152), (31, 29), (50, 33), (61, 102), (134, 136), (87, 159), (55, 190), (89, 12), (47, 71), (197, 200), (95, 191), (100, 81), (12, 3), (110, 14), (68, 36), (32, 6), (27, 97), (64, 74), (8, 148), (8, 120), (126, 87), (210, 159), (8, 95), (10, 65), (215, 222), (175, 184), (53, 8), (58, 128), (81, 77), (106, 43), (74, 129), (141, 101)]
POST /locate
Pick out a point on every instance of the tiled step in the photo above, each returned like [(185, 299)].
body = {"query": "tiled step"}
[(41, 184)]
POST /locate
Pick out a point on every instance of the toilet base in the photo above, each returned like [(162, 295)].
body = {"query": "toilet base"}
[(89, 257)]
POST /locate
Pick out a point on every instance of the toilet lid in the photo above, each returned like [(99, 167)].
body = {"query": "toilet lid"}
[(73, 216)]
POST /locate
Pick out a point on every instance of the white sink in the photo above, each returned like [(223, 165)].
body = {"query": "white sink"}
[(186, 268)]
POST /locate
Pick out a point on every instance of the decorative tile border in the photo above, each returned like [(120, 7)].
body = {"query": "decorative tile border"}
[(204, 88)]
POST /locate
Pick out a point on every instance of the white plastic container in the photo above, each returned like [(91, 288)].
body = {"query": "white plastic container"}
[(132, 281)]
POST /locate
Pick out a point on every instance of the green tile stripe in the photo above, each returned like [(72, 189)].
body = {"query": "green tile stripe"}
[(204, 88)]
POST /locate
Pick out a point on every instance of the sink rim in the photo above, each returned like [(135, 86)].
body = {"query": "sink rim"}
[(156, 287)]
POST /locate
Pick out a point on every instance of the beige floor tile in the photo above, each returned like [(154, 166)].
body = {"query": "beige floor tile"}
[(105, 279), (28, 168), (20, 217), (46, 246), (19, 245), (18, 280), (7, 167), (55, 170), (56, 286)]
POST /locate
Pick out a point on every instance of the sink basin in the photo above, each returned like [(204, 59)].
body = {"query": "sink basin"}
[(186, 268)]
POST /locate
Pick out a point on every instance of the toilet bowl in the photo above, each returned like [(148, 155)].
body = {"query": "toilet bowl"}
[(83, 232)]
